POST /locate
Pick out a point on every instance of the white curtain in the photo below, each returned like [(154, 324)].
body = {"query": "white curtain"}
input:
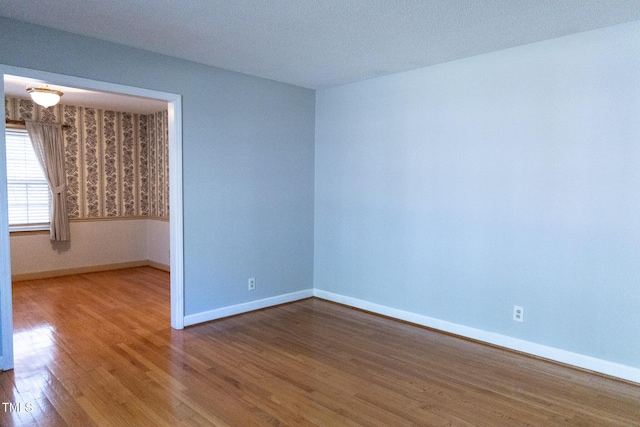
[(48, 145)]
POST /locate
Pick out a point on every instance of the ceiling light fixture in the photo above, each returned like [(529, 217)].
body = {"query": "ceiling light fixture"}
[(44, 95)]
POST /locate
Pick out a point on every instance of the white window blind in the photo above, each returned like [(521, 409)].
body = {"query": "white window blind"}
[(28, 191)]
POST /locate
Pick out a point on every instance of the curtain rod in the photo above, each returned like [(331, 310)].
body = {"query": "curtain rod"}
[(22, 122)]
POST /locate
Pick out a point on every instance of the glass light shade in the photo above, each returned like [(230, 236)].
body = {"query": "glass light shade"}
[(44, 95)]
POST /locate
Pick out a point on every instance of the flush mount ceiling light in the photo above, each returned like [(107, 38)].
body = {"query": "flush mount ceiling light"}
[(44, 95)]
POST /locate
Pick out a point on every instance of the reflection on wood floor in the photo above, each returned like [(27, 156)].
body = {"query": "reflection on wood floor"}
[(97, 349)]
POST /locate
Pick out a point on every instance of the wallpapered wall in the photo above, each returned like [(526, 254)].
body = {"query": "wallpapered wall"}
[(117, 163)]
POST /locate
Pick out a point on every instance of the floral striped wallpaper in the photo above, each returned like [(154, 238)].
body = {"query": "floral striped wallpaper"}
[(117, 163), (157, 135)]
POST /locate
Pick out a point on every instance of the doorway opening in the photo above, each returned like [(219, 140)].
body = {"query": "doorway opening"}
[(172, 102)]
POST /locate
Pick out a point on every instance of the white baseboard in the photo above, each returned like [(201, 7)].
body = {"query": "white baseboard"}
[(159, 266), (87, 269), (613, 369), (232, 310)]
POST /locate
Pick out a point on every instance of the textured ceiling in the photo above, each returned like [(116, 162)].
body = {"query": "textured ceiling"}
[(322, 43)]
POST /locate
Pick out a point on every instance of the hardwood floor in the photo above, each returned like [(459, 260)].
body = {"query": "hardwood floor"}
[(97, 349)]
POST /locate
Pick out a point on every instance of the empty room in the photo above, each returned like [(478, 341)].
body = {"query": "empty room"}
[(373, 213)]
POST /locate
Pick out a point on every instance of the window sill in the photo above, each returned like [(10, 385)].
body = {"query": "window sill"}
[(40, 228)]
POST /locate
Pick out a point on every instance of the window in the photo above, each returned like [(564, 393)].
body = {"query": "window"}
[(27, 188)]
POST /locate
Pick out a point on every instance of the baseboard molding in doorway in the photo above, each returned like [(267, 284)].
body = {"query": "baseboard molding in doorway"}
[(87, 269)]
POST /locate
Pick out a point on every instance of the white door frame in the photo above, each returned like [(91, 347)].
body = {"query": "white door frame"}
[(175, 198)]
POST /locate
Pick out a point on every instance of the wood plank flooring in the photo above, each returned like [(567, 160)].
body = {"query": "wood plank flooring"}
[(97, 350)]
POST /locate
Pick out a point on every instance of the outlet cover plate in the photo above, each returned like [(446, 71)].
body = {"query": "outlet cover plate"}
[(518, 313)]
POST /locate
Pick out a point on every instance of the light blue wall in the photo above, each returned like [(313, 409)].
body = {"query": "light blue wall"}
[(459, 190), (248, 149)]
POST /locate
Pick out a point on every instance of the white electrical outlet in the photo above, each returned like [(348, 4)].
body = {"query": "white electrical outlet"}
[(518, 313), (252, 283)]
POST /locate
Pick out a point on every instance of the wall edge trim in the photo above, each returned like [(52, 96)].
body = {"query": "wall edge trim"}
[(119, 218), (246, 307), (159, 265), (601, 366), (87, 269)]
